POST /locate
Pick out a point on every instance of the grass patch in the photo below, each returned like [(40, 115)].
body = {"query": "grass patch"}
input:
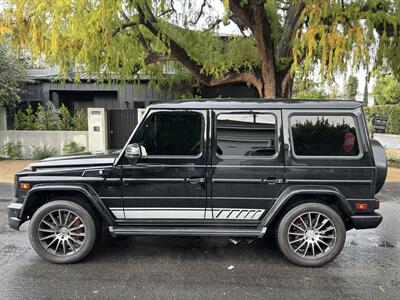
[(393, 157)]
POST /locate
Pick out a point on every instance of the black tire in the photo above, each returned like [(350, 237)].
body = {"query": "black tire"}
[(86, 221), (308, 233)]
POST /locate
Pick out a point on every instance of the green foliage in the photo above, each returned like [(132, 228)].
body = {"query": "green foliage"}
[(73, 147), (351, 87), (392, 112), (310, 94), (19, 120), (387, 90), (39, 153), (114, 39), (79, 121), (65, 118), (47, 119), (29, 118), (12, 75), (305, 88), (50, 119), (12, 150), (336, 33), (302, 83)]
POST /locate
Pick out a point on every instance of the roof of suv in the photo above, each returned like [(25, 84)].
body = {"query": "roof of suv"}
[(259, 104)]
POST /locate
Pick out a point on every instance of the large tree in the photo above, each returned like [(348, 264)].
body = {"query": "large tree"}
[(117, 38)]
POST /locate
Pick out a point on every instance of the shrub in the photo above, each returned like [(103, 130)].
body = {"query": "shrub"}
[(19, 120), (79, 121), (12, 150), (50, 119), (47, 119), (39, 153), (392, 112), (65, 117), (73, 147)]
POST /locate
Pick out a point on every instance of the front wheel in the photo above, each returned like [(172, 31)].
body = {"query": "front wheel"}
[(311, 234), (62, 232)]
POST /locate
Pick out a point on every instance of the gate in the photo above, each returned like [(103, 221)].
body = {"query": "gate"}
[(121, 122)]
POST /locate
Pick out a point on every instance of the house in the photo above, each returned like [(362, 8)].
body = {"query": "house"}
[(43, 87)]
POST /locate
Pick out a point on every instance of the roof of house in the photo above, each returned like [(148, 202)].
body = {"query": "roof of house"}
[(258, 104)]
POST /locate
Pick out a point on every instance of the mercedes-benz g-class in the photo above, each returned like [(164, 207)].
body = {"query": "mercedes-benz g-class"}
[(305, 170)]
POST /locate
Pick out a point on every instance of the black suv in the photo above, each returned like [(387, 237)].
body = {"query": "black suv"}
[(305, 170)]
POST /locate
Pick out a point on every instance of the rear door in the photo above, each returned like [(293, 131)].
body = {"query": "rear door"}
[(247, 163)]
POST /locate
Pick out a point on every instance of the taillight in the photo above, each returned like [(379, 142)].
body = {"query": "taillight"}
[(361, 206)]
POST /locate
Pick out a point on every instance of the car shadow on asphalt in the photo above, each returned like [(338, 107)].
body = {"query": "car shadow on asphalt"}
[(184, 248)]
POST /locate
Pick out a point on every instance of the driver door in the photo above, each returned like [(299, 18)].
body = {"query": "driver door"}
[(168, 182)]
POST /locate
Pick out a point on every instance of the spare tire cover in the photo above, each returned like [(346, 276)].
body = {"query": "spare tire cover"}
[(380, 163)]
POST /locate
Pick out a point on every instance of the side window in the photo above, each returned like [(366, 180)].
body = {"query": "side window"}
[(246, 134), (324, 135), (172, 133)]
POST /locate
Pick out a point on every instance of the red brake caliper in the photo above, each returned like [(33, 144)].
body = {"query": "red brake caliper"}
[(76, 224)]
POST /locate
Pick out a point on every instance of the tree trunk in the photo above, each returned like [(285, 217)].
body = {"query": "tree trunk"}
[(367, 77), (284, 85)]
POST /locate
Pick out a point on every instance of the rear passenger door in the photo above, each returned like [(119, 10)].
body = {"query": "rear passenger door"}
[(247, 163)]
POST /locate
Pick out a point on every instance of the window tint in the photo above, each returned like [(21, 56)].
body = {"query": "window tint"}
[(324, 136), (246, 134), (177, 133)]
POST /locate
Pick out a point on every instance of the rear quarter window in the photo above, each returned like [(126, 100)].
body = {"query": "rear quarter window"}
[(324, 135)]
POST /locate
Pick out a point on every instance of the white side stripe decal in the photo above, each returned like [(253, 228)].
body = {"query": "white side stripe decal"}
[(187, 213)]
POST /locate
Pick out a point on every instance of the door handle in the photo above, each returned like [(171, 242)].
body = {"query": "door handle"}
[(272, 180), (195, 180)]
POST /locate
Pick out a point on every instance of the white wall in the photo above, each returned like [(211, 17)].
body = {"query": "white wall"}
[(52, 139), (97, 130)]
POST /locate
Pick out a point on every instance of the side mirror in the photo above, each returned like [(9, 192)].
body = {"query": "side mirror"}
[(133, 151)]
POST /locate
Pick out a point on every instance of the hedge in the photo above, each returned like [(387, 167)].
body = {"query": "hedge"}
[(392, 112)]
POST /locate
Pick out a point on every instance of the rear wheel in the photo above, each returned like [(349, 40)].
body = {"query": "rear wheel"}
[(311, 234), (62, 232)]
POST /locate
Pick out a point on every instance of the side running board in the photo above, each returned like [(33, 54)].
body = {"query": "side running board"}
[(188, 231)]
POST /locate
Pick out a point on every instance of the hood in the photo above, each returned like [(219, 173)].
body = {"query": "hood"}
[(74, 161)]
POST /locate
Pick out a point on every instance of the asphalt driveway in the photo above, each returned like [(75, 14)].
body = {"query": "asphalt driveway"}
[(206, 268)]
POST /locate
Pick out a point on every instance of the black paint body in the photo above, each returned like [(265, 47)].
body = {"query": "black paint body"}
[(209, 189)]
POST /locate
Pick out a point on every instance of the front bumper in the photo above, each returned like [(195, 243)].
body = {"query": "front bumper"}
[(13, 212), (367, 221)]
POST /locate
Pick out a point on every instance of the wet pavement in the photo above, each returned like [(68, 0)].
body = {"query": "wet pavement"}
[(206, 268), (6, 191)]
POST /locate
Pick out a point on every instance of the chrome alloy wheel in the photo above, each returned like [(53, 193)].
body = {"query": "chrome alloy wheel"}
[(62, 232), (311, 235)]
